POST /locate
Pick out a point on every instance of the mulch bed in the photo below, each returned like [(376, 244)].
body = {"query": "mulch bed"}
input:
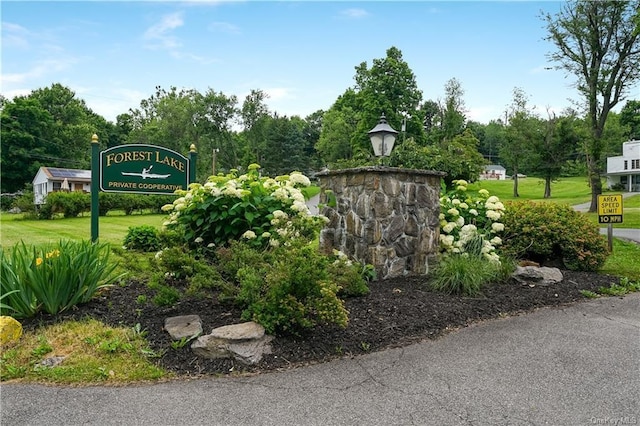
[(397, 312)]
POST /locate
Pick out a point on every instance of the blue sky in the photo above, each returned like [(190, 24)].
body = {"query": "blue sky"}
[(113, 54)]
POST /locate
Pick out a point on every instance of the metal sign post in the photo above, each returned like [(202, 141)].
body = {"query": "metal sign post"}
[(610, 212)]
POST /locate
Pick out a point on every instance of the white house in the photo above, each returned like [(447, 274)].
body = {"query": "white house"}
[(51, 179), (493, 172), (624, 170)]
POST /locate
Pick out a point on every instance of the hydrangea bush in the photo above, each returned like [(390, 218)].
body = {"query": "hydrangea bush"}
[(470, 224), (228, 207)]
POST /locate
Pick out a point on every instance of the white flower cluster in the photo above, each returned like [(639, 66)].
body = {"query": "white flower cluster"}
[(223, 191), (470, 224)]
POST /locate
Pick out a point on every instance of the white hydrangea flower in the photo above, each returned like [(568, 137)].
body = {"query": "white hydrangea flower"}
[(266, 234), (449, 227), (484, 192), (274, 243), (453, 211), (497, 227), (460, 221), (493, 215), (249, 235), (493, 199), (279, 214), (463, 206), (455, 202), (473, 212), (496, 241), (167, 208), (198, 240), (441, 216), (299, 178)]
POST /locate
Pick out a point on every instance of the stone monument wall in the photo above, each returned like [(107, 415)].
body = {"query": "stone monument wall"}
[(383, 216)]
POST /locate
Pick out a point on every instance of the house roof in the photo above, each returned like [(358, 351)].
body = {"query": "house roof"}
[(55, 174), (494, 167)]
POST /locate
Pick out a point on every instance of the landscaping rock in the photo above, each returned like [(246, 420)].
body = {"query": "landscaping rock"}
[(537, 275), (245, 342), (183, 327), (52, 361), (10, 330)]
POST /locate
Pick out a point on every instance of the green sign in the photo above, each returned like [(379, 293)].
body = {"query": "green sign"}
[(144, 169)]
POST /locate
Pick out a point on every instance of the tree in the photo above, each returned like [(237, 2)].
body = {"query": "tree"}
[(453, 120), (555, 148), (338, 127), (388, 87), (49, 127), (519, 132), (177, 119), (630, 117), (599, 43), (253, 114)]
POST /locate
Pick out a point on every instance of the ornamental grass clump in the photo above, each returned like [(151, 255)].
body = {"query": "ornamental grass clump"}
[(250, 207), (470, 224), (53, 278)]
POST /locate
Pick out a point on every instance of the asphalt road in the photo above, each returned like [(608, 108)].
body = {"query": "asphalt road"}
[(577, 365)]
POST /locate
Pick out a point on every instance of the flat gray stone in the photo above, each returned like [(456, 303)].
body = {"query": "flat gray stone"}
[(243, 331), (183, 326)]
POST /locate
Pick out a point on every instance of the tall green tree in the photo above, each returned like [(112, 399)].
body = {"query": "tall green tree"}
[(554, 148), (598, 42), (254, 115), (388, 87), (630, 117), (48, 127), (453, 121), (177, 119), (521, 129)]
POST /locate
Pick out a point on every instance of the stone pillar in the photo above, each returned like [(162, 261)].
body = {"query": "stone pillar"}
[(383, 216)]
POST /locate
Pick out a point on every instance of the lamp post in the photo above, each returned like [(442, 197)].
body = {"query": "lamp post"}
[(382, 137)]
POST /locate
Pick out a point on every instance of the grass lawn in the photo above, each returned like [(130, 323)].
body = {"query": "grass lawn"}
[(111, 229), (569, 190)]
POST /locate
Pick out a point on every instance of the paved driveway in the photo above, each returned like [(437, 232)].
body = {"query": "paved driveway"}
[(577, 365)]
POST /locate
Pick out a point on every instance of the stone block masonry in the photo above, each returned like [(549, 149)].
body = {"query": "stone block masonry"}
[(383, 216)]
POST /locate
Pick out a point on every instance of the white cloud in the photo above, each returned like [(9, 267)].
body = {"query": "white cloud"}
[(354, 13), (280, 93), (159, 35), (41, 69), (14, 35), (224, 27)]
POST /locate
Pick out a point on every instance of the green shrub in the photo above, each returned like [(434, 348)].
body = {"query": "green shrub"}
[(249, 206), (143, 237), (180, 263), (54, 278), (25, 202), (287, 288), (107, 201), (70, 204), (548, 233)]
